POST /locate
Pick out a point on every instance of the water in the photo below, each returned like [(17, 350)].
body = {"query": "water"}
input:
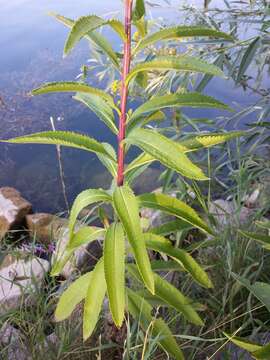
[(31, 46)]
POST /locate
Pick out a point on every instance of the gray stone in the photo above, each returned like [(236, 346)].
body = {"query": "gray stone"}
[(13, 209), (13, 343), (19, 278)]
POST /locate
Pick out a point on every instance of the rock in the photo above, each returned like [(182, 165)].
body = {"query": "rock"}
[(225, 213), (86, 254), (44, 227), (49, 345), (13, 209), (13, 342), (19, 278)]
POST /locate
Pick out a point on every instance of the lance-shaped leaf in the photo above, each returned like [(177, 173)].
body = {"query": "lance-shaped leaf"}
[(173, 297), (85, 235), (259, 289), (161, 244), (207, 140), (166, 151), (63, 138), (263, 353), (141, 310), (114, 267), (99, 107), (174, 207), (248, 57), (260, 238), (176, 63), (139, 10), (72, 296), (142, 160), (85, 25), (72, 86), (126, 206), (94, 299), (174, 100), (94, 37), (84, 199), (178, 33), (170, 227), (111, 165)]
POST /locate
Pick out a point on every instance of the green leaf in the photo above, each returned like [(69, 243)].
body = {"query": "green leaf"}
[(174, 100), (170, 227), (114, 267), (173, 297), (180, 32), (243, 343), (84, 199), (203, 141), (261, 238), (63, 138), (169, 265), (142, 160), (259, 289), (166, 151), (160, 244), (72, 296), (99, 107), (263, 353), (94, 299), (85, 235), (177, 63), (94, 37), (141, 311), (111, 165), (139, 10), (173, 207), (126, 206), (73, 86), (85, 24), (248, 57)]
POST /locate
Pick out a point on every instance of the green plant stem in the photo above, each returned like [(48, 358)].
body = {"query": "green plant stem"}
[(124, 93)]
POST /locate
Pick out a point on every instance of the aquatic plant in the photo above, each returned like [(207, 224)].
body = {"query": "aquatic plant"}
[(122, 232)]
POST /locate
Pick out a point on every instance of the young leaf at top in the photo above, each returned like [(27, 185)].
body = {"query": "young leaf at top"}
[(114, 267), (174, 207), (94, 299), (126, 206), (161, 244), (166, 151), (177, 63), (72, 296), (180, 32), (141, 310), (63, 138), (171, 296), (73, 86), (85, 25)]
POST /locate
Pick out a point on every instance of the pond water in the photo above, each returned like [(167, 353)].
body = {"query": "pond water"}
[(31, 53)]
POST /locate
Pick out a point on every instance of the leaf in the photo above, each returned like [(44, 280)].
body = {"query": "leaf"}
[(100, 108), (84, 199), (261, 238), (174, 100), (263, 353), (111, 165), (203, 141), (180, 32), (94, 37), (173, 297), (259, 289), (72, 86), (85, 24), (126, 207), (114, 267), (160, 244), (141, 160), (94, 299), (166, 151), (170, 227), (243, 343), (248, 57), (174, 207), (63, 138), (85, 235), (169, 265), (177, 63), (72, 296), (141, 311), (139, 10)]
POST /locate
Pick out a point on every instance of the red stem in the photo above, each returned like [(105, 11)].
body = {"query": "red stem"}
[(124, 93)]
